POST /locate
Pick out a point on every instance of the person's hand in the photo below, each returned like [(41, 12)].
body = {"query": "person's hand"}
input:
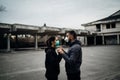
[(60, 50)]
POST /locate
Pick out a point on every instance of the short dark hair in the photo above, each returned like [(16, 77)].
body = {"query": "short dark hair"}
[(49, 41), (72, 33)]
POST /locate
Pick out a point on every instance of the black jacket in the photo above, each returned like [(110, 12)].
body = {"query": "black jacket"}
[(73, 58), (52, 62)]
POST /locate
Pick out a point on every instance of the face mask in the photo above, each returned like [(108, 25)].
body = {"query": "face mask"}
[(66, 39), (57, 43)]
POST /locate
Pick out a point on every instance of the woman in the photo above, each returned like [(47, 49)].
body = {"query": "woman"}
[(52, 60)]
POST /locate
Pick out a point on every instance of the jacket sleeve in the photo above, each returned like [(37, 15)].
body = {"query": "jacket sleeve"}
[(74, 54), (51, 58), (59, 58)]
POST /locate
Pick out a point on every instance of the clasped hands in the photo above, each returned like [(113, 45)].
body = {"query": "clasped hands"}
[(60, 50)]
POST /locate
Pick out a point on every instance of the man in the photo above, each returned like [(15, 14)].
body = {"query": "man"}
[(73, 58)]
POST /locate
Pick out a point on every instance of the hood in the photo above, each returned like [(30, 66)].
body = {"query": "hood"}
[(49, 48), (46, 49), (75, 42)]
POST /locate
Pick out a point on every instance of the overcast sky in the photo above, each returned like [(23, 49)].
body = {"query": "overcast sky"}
[(57, 13)]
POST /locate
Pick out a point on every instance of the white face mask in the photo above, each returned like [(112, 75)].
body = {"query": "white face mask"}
[(66, 39)]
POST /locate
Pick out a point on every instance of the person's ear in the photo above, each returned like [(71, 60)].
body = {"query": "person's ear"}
[(71, 37), (52, 42)]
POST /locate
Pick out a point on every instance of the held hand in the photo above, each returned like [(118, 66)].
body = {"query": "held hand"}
[(60, 50)]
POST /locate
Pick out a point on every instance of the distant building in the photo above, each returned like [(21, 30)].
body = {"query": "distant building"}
[(104, 31), (17, 36)]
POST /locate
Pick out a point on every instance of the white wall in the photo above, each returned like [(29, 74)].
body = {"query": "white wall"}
[(118, 25), (91, 28), (103, 27), (104, 30), (81, 39)]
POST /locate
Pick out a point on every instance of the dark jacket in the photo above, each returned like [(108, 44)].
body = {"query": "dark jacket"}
[(52, 62), (73, 58)]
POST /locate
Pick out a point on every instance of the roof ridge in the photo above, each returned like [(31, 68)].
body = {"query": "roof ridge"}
[(115, 14)]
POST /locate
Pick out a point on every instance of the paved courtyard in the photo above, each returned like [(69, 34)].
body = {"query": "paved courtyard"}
[(99, 63)]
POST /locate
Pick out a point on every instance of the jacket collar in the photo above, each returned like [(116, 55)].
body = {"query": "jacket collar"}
[(74, 42)]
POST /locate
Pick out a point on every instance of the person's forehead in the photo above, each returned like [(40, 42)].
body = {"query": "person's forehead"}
[(67, 33)]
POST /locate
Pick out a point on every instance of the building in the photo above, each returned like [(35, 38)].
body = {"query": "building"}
[(16, 36), (105, 31)]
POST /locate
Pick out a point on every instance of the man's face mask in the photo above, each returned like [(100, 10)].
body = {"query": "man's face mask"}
[(66, 39)]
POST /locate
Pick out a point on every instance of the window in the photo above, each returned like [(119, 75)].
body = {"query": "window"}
[(98, 27), (113, 25), (107, 26), (110, 25)]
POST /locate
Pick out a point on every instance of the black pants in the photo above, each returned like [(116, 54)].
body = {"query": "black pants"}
[(52, 78), (73, 76)]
